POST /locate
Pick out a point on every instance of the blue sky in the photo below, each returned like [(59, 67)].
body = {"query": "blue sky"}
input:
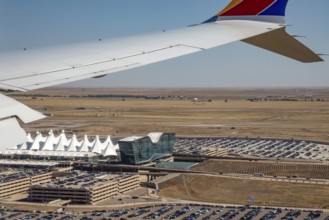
[(39, 23)]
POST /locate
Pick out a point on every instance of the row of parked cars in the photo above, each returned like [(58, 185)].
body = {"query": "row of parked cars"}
[(179, 212), (256, 147)]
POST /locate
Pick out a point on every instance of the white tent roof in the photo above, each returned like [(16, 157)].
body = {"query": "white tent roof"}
[(23, 146), (107, 141), (50, 142), (85, 145), (62, 146), (62, 143), (98, 146), (29, 138), (109, 150), (38, 140), (73, 144)]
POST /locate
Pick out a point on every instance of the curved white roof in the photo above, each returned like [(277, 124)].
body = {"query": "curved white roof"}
[(73, 146), (155, 136), (38, 142), (62, 143), (29, 138), (131, 138), (63, 146), (109, 150), (98, 146), (85, 144), (51, 142), (23, 146), (107, 141)]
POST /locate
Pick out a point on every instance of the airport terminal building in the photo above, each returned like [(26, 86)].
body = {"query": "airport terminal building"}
[(133, 150), (140, 150)]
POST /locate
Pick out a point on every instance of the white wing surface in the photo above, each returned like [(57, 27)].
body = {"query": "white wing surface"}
[(11, 113), (33, 69)]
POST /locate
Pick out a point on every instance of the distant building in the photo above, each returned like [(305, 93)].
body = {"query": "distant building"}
[(60, 147), (13, 181), (139, 150), (84, 187), (134, 150)]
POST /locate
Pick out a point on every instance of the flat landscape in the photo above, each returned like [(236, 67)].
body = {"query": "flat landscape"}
[(267, 113), (277, 113), (272, 183), (225, 190), (269, 168)]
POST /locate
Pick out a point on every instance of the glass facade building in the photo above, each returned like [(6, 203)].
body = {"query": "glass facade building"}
[(139, 150)]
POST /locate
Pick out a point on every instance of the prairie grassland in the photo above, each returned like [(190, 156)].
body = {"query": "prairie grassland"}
[(237, 191), (270, 168), (282, 119), (205, 93)]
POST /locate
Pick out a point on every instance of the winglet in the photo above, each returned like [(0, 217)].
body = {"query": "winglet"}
[(257, 10), (280, 42), (277, 40)]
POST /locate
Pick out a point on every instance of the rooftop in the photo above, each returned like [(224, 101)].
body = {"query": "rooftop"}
[(84, 180), (130, 139), (28, 163), (154, 136), (12, 175), (176, 165)]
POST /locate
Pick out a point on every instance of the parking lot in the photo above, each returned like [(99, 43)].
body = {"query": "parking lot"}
[(180, 212), (271, 148)]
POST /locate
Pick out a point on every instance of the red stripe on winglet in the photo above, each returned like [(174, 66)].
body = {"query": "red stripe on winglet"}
[(249, 7)]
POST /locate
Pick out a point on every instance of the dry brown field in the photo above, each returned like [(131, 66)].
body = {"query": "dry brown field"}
[(269, 168), (237, 191), (236, 117), (228, 114), (213, 93)]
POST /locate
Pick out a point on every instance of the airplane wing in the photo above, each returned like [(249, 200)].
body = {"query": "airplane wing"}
[(11, 114), (280, 42), (33, 69), (241, 20)]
